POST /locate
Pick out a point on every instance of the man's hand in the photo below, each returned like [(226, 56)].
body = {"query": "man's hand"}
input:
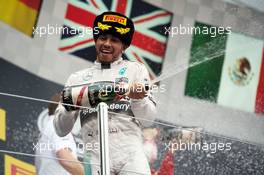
[(66, 99), (137, 91), (69, 162)]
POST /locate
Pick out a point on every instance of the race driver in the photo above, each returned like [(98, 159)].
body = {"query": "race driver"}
[(113, 33)]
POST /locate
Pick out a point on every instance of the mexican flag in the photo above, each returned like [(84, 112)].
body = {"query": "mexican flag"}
[(227, 69)]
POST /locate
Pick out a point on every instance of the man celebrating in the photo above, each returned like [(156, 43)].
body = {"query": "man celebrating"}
[(113, 33)]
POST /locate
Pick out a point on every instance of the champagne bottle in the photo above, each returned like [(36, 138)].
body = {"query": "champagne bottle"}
[(90, 95)]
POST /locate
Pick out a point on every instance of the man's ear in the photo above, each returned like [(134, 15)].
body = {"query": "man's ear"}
[(125, 47)]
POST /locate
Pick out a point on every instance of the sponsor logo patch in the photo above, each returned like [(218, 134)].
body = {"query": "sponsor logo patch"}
[(103, 26), (122, 30), (122, 71), (121, 80), (87, 76), (115, 18)]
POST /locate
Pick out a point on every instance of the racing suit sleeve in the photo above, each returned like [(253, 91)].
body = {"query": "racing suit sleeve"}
[(144, 109), (63, 119)]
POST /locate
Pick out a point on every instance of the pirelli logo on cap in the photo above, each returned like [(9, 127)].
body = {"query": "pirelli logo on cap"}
[(115, 18)]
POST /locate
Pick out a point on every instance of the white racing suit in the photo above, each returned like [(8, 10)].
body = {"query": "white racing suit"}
[(125, 135)]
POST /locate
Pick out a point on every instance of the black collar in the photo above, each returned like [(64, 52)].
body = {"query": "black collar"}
[(105, 65), (100, 65)]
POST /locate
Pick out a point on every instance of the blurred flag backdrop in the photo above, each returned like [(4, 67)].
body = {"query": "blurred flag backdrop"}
[(149, 42), (20, 14), (231, 72)]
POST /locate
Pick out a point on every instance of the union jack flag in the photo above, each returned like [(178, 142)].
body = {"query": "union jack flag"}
[(148, 45)]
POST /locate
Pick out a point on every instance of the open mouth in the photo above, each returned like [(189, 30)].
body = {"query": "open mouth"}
[(104, 51)]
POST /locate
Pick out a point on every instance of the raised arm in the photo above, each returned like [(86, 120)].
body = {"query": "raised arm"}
[(65, 118), (143, 104)]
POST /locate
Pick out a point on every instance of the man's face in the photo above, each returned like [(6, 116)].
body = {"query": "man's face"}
[(108, 48)]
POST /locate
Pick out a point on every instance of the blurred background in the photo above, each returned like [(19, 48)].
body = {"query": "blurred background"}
[(207, 55)]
